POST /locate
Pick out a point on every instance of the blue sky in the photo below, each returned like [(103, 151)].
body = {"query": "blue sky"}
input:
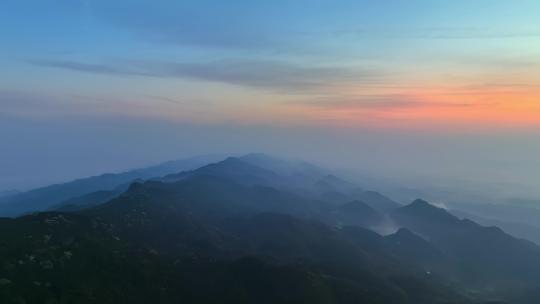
[(352, 67), (280, 51)]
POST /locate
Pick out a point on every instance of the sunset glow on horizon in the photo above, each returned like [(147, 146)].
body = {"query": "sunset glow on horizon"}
[(97, 85), (355, 63)]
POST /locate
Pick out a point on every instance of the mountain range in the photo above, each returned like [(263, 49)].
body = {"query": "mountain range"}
[(250, 229), (15, 203)]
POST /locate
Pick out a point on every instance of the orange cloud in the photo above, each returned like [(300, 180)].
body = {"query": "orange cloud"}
[(486, 105)]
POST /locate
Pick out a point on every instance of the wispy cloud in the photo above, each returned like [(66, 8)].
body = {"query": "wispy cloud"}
[(381, 102), (264, 74), (439, 33), (84, 67), (44, 104)]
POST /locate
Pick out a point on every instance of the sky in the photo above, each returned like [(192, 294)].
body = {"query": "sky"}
[(425, 88)]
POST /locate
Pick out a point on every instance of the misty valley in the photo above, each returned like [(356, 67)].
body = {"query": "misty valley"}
[(250, 229)]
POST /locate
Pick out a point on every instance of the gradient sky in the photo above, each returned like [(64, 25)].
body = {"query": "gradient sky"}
[(80, 81)]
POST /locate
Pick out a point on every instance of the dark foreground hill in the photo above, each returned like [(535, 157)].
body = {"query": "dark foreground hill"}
[(142, 255)]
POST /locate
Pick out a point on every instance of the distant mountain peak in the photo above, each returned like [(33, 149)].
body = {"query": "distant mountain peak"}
[(229, 160), (234, 169), (423, 209), (262, 159), (421, 203), (233, 163), (256, 155)]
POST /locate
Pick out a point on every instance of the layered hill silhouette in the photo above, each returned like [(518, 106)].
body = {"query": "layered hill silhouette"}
[(487, 255), (41, 199), (257, 229)]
